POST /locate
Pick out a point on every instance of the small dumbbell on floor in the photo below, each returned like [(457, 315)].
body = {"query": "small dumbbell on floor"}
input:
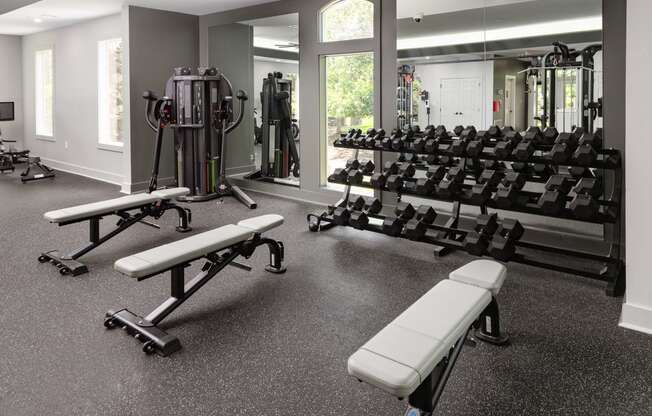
[(503, 243), (477, 242)]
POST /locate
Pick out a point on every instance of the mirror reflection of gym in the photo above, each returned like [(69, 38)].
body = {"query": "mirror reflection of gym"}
[(276, 99), (517, 63)]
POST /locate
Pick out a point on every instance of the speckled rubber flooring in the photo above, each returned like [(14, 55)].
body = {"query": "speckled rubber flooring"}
[(262, 344)]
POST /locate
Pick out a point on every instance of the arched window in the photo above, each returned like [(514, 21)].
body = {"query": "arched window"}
[(346, 20)]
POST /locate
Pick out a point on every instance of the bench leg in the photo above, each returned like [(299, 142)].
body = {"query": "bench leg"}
[(424, 399), (488, 328), (185, 218), (68, 265), (145, 328)]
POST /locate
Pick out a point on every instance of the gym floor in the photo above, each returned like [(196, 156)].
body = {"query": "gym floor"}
[(262, 344)]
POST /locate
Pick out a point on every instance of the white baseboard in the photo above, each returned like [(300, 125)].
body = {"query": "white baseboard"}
[(130, 188), (637, 318), (100, 175)]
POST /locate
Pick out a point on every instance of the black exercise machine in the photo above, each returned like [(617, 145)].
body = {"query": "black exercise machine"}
[(279, 155), (201, 115), (10, 157)]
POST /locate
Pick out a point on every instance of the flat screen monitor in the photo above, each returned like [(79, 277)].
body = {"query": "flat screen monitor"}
[(6, 111)]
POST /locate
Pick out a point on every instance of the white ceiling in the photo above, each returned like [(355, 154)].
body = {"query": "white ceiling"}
[(278, 32), (59, 13)]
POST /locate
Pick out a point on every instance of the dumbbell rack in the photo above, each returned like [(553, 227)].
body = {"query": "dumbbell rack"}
[(607, 160)]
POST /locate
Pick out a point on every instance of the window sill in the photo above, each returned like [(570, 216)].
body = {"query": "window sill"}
[(46, 138), (117, 148)]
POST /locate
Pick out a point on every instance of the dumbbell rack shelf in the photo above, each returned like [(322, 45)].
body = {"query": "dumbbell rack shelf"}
[(611, 268), (528, 208)]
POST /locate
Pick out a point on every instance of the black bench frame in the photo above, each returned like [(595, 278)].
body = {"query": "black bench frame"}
[(487, 328), (68, 264), (145, 329)]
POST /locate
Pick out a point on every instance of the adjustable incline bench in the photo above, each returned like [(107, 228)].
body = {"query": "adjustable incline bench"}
[(414, 355), (219, 248), (129, 209)]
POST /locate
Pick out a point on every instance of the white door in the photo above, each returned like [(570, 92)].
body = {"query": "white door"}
[(471, 103), (510, 100), (460, 102), (449, 108)]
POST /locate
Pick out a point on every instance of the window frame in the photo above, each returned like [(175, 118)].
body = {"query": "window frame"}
[(37, 135), (332, 3), (114, 146)]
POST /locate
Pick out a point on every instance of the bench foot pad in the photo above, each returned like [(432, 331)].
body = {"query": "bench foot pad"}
[(65, 266), (154, 339), (501, 339), (277, 270)]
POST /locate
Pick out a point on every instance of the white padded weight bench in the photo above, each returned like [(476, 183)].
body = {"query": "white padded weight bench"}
[(152, 204), (219, 248), (413, 356)]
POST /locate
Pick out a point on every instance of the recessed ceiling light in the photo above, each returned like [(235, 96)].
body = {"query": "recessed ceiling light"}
[(38, 20)]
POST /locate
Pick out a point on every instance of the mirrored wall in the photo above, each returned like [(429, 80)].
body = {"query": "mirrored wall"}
[(500, 62), (275, 96)]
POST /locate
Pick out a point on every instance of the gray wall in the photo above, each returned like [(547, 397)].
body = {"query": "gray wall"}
[(159, 41), (10, 87), (614, 83), (504, 67), (231, 50), (74, 147), (9, 5)]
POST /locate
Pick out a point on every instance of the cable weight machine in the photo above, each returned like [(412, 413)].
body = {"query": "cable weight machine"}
[(279, 153), (201, 116)]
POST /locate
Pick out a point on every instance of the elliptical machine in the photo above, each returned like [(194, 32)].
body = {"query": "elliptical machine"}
[(201, 115), (279, 156)]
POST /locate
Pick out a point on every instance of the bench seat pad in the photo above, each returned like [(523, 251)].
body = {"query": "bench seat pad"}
[(164, 257), (402, 355), (262, 223), (112, 205), (487, 274)]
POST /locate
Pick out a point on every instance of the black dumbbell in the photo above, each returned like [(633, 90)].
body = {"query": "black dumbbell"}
[(361, 141), (360, 219), (367, 167), (451, 184), (372, 142), (476, 242), (436, 172), (425, 186), (481, 191), (503, 243), (355, 177), (441, 131), (505, 147), (549, 135), (342, 139), (386, 142), (405, 211), (534, 135), (458, 130), (524, 150), (342, 214), (419, 144), (379, 179), (553, 199), (352, 137), (584, 204), (431, 145), (508, 191), (417, 227), (542, 170), (341, 175), (494, 131), (585, 154)]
